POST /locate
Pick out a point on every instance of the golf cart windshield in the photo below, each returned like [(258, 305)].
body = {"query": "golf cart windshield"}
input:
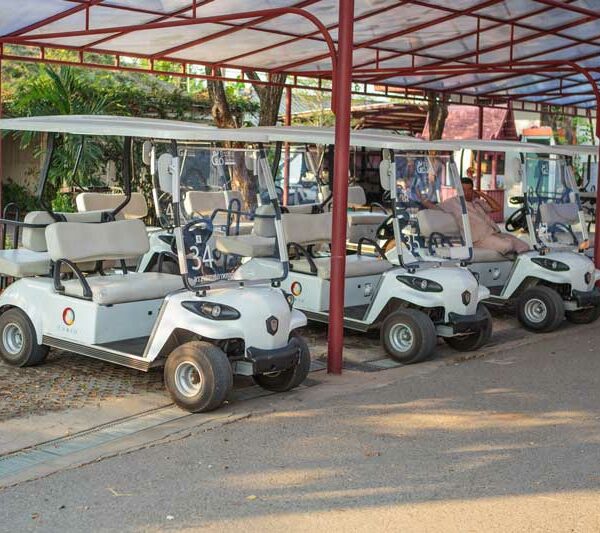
[(222, 186), (303, 165), (430, 213), (555, 217)]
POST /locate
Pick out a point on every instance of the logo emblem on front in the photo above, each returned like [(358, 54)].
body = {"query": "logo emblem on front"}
[(272, 325), (466, 298)]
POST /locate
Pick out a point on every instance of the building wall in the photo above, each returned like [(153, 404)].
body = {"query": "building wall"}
[(19, 165)]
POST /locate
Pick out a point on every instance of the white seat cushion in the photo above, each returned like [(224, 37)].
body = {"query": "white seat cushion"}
[(486, 255), (23, 263), (356, 265), (359, 218), (131, 287), (246, 245)]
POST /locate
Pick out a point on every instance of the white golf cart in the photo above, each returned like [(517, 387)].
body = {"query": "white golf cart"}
[(545, 284), (202, 326), (411, 305)]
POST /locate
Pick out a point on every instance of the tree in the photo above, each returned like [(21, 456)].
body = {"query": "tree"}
[(437, 107), (224, 117)]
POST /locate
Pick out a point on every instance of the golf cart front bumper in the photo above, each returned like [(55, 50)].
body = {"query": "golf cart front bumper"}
[(587, 298), (458, 324), (264, 361)]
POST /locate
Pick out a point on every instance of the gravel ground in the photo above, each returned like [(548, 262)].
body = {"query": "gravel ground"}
[(67, 381)]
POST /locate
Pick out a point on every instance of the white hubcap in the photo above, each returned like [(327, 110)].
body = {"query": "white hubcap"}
[(12, 338), (188, 379), (535, 310), (401, 337)]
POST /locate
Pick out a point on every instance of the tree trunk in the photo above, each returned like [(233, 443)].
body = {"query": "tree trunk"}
[(438, 112), (269, 97)]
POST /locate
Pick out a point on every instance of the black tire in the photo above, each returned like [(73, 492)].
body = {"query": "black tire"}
[(288, 379), (198, 376), (415, 324), (475, 340), (584, 316), (540, 309), (18, 340)]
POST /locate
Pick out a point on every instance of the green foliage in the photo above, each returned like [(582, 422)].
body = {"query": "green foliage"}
[(63, 203), (20, 196)]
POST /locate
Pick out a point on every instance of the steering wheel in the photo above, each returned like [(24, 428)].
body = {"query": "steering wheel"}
[(385, 231), (196, 235), (517, 221)]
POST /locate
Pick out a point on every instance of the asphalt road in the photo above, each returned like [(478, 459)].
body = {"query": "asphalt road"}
[(505, 442)]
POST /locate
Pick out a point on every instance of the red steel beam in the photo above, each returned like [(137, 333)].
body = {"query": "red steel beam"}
[(343, 88), (390, 36)]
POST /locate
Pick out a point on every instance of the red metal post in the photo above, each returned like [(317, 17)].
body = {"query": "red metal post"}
[(343, 90), (286, 150), (1, 159), (479, 153)]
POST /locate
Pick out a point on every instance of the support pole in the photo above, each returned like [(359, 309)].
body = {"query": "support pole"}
[(597, 226), (286, 152), (1, 158), (479, 154), (343, 103)]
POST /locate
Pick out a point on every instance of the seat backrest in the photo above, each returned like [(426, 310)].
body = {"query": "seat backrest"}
[(137, 207), (203, 202), (35, 238), (264, 227), (559, 214), (307, 229), (356, 196), (437, 221), (233, 195), (306, 209), (80, 242)]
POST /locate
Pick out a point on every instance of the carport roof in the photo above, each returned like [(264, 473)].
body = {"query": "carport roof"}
[(489, 50)]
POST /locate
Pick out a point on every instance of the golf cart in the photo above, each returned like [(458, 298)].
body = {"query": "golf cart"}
[(203, 327), (411, 304), (545, 284)]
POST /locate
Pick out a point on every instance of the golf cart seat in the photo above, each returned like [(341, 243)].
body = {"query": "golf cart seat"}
[(204, 203), (111, 241), (362, 221), (309, 230), (32, 257), (566, 214), (99, 201), (437, 222), (259, 243)]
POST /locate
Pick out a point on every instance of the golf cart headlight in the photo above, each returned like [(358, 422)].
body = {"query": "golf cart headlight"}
[(289, 298), (420, 284), (212, 310), (550, 264)]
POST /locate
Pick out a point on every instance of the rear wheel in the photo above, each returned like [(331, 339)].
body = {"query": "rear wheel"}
[(408, 336), (198, 376), (475, 340), (288, 379), (18, 340), (584, 316), (540, 309)]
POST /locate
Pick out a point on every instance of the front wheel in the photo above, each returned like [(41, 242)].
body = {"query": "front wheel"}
[(288, 379), (198, 376), (18, 340), (475, 340), (584, 316), (540, 309), (408, 336)]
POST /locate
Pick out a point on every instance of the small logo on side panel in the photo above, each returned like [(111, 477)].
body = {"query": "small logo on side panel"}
[(68, 316)]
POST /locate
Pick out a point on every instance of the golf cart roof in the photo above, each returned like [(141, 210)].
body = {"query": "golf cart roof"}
[(516, 146), (360, 138), (146, 128)]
